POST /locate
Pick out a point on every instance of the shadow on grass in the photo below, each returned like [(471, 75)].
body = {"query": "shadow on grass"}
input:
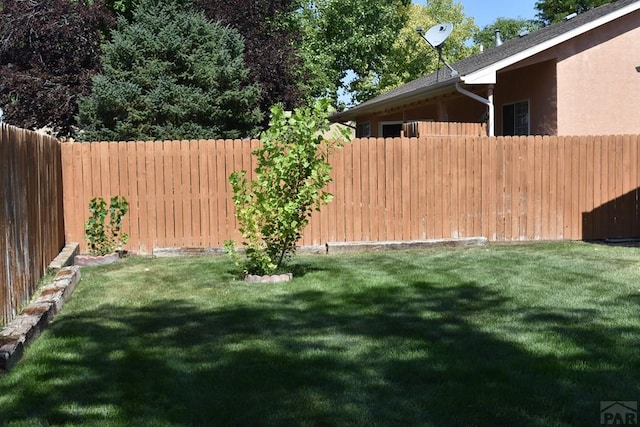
[(391, 355)]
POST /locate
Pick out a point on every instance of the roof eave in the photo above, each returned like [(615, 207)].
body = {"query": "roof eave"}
[(418, 94)]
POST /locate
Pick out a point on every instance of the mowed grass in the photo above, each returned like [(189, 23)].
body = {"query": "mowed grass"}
[(523, 335)]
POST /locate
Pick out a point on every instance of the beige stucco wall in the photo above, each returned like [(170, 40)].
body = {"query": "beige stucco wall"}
[(463, 109), (598, 85), (535, 83)]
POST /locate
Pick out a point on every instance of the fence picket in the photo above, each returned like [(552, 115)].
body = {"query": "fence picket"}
[(357, 193), (406, 190)]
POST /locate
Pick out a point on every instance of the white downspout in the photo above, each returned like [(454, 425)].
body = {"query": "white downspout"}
[(492, 113), (487, 102)]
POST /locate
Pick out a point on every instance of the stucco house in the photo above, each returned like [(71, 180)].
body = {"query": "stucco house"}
[(577, 77)]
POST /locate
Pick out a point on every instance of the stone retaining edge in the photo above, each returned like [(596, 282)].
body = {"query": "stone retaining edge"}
[(65, 257), (345, 247), (338, 247), (186, 251), (34, 318)]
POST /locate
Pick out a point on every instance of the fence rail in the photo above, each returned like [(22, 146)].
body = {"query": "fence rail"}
[(504, 188), (31, 213), (419, 128)]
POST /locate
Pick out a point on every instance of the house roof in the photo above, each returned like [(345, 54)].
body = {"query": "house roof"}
[(482, 68)]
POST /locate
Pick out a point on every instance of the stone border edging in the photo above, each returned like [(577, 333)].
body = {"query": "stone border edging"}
[(338, 247), (65, 257), (346, 247), (269, 278), (92, 260), (35, 317)]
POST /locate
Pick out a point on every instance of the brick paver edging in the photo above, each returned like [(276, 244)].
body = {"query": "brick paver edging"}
[(26, 327)]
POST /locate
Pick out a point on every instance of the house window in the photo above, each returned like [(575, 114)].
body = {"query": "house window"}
[(390, 129), (363, 130), (515, 118)]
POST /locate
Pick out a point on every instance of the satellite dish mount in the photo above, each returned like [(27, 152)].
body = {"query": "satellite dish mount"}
[(435, 37)]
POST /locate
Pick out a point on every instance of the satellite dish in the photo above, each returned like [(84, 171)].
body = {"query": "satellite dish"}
[(435, 37), (437, 34)]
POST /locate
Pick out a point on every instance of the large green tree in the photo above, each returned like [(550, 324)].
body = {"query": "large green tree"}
[(509, 28), (271, 33), (364, 48), (121, 7), (349, 37), (49, 51), (170, 73), (550, 11), (411, 57)]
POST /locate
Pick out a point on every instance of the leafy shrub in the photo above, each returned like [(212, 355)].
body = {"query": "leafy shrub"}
[(291, 175), (104, 238)]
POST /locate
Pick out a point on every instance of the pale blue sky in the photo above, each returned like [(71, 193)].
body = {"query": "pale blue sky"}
[(485, 12)]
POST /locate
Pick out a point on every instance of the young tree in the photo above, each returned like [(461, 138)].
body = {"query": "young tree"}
[(50, 50), (271, 35), (550, 11), (170, 74), (509, 29), (291, 175)]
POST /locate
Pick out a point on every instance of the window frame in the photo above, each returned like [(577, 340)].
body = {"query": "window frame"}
[(359, 133), (381, 126), (517, 130)]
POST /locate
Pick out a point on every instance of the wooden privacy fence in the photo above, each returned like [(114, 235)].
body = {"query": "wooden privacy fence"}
[(504, 188), (31, 213)]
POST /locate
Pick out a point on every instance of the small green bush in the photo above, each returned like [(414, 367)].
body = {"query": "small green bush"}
[(105, 238)]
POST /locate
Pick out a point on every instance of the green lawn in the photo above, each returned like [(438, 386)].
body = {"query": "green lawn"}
[(522, 335)]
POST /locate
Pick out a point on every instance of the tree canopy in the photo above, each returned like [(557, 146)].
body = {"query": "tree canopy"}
[(49, 52), (170, 74), (365, 48), (550, 11), (355, 37), (275, 51), (411, 57), (271, 33)]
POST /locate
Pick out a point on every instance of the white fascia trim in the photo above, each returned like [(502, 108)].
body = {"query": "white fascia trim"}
[(488, 75)]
